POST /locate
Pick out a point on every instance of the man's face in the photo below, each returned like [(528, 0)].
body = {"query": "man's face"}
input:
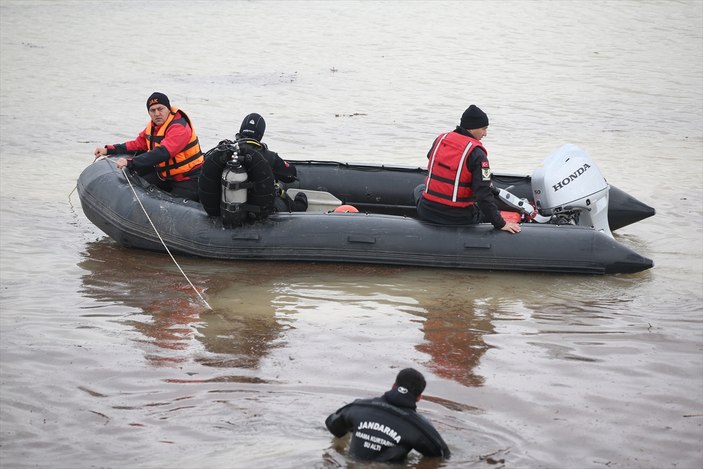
[(479, 133), (158, 113)]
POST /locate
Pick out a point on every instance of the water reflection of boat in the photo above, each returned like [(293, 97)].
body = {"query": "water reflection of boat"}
[(245, 326), (171, 321), (386, 234)]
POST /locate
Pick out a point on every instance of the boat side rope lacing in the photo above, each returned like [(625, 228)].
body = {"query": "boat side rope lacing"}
[(162, 241), (76, 186)]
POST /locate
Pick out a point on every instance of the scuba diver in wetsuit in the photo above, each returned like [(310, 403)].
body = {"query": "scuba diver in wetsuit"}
[(264, 168), (249, 137), (387, 428)]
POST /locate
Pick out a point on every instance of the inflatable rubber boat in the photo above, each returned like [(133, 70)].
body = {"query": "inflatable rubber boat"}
[(569, 230)]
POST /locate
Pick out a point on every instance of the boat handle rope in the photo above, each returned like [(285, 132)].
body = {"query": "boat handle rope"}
[(162, 240), (76, 186)]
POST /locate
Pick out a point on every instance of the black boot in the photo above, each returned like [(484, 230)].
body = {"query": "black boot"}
[(300, 203)]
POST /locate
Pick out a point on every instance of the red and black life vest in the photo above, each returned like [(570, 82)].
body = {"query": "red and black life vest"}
[(188, 159), (448, 180)]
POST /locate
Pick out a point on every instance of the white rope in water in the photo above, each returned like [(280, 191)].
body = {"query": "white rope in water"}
[(162, 241)]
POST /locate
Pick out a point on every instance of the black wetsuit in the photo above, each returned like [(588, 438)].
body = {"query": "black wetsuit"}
[(282, 171), (386, 429)]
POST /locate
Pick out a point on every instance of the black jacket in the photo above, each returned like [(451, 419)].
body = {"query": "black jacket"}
[(386, 429)]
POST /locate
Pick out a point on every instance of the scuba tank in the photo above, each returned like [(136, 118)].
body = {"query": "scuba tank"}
[(234, 193), (237, 183)]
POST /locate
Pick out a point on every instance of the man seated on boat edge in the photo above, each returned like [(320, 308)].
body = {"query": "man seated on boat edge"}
[(168, 153), (387, 428), (446, 199), (240, 180), (250, 134)]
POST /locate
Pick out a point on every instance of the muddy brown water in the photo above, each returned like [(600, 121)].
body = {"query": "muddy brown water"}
[(108, 359)]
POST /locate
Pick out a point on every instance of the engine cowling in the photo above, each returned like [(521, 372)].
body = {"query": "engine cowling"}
[(570, 182)]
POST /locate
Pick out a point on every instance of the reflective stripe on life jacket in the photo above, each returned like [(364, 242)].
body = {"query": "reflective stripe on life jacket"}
[(448, 180), (187, 159)]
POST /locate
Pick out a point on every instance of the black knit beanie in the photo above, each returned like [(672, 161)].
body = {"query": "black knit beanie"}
[(474, 118), (410, 380), (158, 98), (253, 126)]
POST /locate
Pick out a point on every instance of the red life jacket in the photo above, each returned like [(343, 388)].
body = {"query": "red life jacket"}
[(188, 159), (448, 181)]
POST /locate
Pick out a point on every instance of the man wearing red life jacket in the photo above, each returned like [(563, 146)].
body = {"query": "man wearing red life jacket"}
[(167, 151), (458, 190)]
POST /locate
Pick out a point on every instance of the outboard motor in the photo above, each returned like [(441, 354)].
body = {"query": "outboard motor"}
[(234, 193), (570, 189)]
